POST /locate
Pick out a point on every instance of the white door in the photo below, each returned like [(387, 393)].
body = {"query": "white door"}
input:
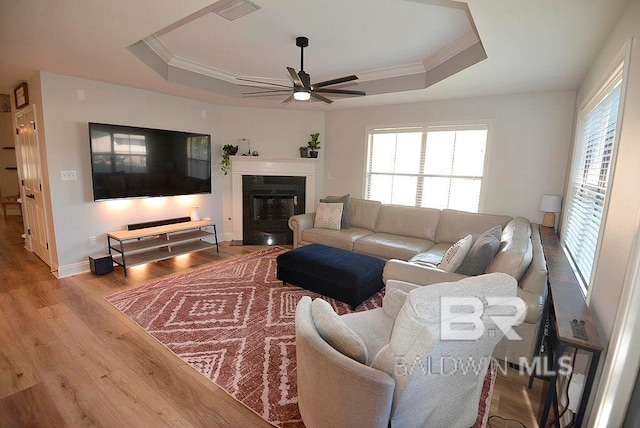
[(31, 184)]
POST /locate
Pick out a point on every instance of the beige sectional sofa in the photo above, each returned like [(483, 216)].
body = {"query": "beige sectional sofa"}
[(398, 233)]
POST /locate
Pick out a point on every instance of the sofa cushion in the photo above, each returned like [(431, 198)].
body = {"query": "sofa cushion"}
[(432, 257), (334, 238), (516, 250), (454, 256), (336, 333), (454, 224), (363, 213), (482, 252), (390, 246), (408, 221), (344, 222), (328, 216)]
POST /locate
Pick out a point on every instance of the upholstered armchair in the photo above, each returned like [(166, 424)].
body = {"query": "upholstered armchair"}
[(396, 365)]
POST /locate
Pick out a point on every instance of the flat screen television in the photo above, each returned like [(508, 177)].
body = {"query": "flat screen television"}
[(132, 162)]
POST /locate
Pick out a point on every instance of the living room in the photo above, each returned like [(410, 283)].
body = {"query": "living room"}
[(530, 136)]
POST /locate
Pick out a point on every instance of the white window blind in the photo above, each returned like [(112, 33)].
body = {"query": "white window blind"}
[(433, 166), (590, 176)]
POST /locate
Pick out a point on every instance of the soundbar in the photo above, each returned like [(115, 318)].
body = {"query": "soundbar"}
[(136, 226)]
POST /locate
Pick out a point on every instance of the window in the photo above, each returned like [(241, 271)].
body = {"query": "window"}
[(431, 166), (119, 152), (591, 173), (199, 157)]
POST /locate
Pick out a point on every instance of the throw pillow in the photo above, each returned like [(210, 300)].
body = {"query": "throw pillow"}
[(328, 216), (345, 222), (482, 252), (455, 254), (393, 300), (336, 333)]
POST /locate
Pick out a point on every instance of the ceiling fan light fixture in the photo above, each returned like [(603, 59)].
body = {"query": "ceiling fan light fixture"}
[(301, 95)]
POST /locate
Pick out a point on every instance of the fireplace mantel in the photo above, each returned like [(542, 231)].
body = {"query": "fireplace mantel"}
[(256, 165)]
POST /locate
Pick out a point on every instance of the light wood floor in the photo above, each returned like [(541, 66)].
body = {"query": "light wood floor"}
[(69, 358)]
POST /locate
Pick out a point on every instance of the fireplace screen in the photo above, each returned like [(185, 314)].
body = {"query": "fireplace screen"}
[(268, 202)]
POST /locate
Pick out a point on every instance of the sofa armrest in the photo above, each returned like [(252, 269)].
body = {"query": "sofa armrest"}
[(417, 274), (298, 223), (535, 305)]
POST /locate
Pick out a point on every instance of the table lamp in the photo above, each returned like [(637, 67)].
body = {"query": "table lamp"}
[(550, 205)]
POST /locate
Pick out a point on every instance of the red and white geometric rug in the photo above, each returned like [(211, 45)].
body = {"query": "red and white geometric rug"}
[(233, 321)]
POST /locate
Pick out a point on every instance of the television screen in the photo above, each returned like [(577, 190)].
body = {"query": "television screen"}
[(131, 162)]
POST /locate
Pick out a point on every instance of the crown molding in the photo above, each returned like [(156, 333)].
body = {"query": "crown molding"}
[(452, 49), (444, 54), (158, 48), (388, 72)]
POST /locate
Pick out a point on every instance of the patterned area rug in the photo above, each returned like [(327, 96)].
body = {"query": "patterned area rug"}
[(234, 322)]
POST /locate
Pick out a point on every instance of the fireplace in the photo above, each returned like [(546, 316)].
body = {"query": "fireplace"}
[(267, 203)]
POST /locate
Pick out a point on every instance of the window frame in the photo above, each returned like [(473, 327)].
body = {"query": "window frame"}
[(618, 71), (457, 125)]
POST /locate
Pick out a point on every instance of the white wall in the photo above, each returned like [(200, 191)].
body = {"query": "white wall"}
[(273, 133), (624, 205), (527, 154), (614, 264)]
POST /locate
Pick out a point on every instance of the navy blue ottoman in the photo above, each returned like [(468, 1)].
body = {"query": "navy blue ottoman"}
[(344, 275)]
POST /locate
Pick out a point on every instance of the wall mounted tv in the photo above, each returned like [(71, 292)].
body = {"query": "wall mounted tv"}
[(131, 162)]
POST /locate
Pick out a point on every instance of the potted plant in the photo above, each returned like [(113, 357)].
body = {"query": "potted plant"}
[(314, 144), (227, 151), (304, 151)]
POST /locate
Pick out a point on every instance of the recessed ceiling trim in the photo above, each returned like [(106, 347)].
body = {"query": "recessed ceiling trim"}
[(233, 9), (158, 48), (452, 49), (196, 67), (395, 71)]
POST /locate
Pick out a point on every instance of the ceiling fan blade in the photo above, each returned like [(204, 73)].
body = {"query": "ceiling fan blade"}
[(320, 97), (270, 91), (262, 83), (289, 98), (263, 95), (336, 81), (305, 79), (340, 91), (294, 77)]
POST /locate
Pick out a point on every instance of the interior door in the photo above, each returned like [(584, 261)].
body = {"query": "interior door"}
[(31, 181)]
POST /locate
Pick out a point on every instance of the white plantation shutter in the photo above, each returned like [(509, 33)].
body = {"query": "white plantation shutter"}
[(429, 166), (591, 173)]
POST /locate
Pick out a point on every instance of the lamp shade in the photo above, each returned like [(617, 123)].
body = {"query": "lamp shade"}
[(551, 203)]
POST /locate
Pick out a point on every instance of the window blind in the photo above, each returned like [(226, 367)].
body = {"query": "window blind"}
[(429, 166), (590, 176)]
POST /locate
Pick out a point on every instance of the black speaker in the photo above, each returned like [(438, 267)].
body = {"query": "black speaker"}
[(101, 263)]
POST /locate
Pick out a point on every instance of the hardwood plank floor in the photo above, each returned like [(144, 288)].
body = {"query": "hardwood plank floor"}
[(69, 358)]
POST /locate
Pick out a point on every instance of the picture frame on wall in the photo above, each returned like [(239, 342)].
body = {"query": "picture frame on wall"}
[(21, 95)]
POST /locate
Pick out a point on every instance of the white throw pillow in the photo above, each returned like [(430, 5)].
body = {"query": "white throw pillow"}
[(455, 255), (328, 215), (336, 333)]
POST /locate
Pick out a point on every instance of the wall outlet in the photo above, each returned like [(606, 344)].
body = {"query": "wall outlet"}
[(68, 175), (92, 241)]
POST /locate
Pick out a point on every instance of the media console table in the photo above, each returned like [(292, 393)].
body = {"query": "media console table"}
[(152, 244), (570, 325)]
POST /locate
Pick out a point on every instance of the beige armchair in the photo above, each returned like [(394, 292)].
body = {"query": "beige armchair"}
[(390, 365)]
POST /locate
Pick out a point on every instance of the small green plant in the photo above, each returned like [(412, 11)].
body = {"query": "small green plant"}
[(227, 151), (314, 144)]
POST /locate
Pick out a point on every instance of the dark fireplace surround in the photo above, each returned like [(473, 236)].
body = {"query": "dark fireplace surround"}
[(267, 203)]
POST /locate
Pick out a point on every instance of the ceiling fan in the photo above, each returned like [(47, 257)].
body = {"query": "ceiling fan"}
[(303, 89)]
